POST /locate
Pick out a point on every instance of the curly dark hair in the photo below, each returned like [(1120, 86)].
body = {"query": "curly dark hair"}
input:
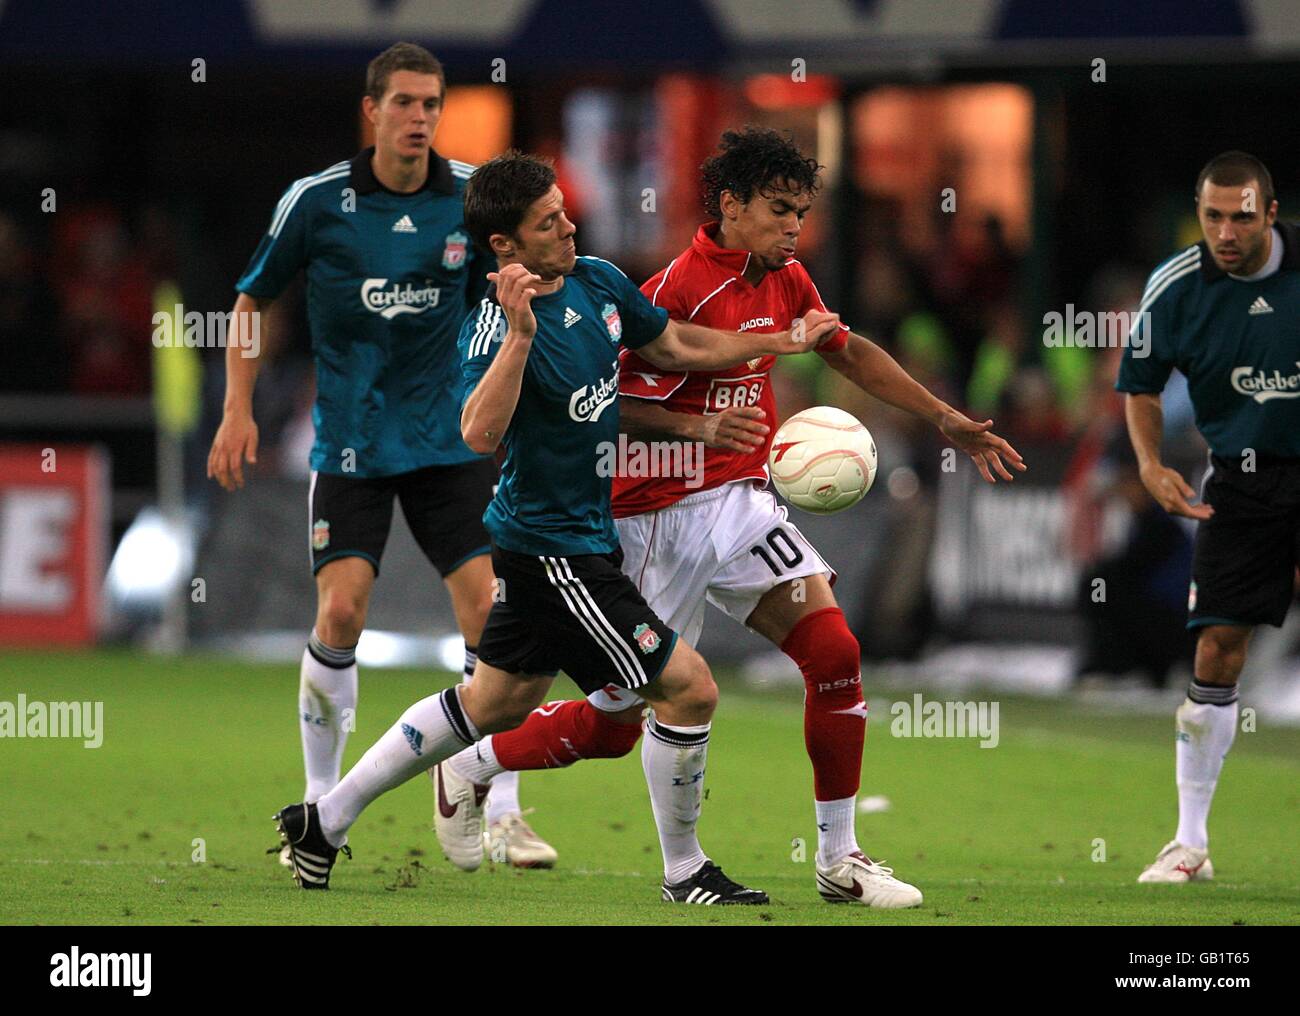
[(500, 192), (756, 160)]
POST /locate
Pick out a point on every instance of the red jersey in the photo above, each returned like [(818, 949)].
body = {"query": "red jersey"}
[(705, 285)]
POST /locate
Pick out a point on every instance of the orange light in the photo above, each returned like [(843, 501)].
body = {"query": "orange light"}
[(475, 124), (779, 91)]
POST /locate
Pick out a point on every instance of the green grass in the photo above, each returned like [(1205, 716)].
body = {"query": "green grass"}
[(205, 748)]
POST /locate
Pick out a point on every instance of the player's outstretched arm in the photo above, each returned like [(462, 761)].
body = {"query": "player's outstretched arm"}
[(684, 346), (879, 374), (738, 428), (491, 406), (236, 440), (1145, 421)]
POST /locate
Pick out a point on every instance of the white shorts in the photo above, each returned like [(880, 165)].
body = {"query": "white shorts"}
[(728, 546)]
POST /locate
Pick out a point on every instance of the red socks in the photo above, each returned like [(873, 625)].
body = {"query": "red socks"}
[(560, 733), (834, 715)]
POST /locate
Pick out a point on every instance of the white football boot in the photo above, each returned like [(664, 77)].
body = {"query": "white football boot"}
[(856, 878), (511, 840), (1177, 863), (458, 817)]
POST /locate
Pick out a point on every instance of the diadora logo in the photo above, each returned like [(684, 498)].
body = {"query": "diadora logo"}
[(1254, 383), (571, 317), (398, 299), (758, 322), (783, 447), (589, 401), (404, 225), (1260, 306)]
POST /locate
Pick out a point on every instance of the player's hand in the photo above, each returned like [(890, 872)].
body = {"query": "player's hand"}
[(515, 293), (985, 448), (235, 443), (810, 331), (1172, 492), (740, 429)]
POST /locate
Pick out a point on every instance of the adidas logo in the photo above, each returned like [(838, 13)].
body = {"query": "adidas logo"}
[(414, 738), (1260, 306), (404, 225), (572, 317)]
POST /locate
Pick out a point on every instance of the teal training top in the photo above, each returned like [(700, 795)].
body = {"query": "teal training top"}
[(389, 280), (553, 498), (1237, 342)]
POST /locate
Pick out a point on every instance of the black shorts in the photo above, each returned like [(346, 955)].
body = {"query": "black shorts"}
[(350, 515), (578, 614), (1245, 556)]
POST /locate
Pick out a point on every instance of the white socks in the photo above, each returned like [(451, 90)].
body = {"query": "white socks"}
[(327, 705), (835, 834), (478, 763), (673, 759), (1206, 725), (503, 798), (428, 732)]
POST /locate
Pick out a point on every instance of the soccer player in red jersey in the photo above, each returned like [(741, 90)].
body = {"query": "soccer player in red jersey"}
[(723, 537)]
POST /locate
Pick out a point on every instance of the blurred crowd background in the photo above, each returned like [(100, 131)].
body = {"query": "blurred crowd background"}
[(986, 164)]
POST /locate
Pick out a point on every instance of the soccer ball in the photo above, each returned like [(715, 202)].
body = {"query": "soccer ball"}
[(822, 460)]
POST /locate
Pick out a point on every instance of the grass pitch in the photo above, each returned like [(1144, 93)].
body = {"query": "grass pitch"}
[(199, 752)]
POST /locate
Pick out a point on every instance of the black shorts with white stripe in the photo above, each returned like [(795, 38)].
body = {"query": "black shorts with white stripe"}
[(578, 614)]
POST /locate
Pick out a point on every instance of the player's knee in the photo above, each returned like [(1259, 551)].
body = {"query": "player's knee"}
[(476, 608), (694, 692), (1221, 653), (827, 653), (342, 616), (840, 655), (613, 735)]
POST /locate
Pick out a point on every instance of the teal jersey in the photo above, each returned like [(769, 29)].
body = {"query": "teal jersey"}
[(1236, 341), (552, 498), (389, 280)]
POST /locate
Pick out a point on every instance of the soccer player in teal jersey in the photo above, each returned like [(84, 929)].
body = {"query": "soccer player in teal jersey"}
[(541, 365), (1224, 313), (390, 274)]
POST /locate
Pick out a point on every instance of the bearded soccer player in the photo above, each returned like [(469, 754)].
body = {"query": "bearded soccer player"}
[(1224, 313), (728, 540), (390, 276)]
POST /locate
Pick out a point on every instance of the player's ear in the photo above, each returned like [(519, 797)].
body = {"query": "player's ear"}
[(729, 205), (503, 246), (369, 109)]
